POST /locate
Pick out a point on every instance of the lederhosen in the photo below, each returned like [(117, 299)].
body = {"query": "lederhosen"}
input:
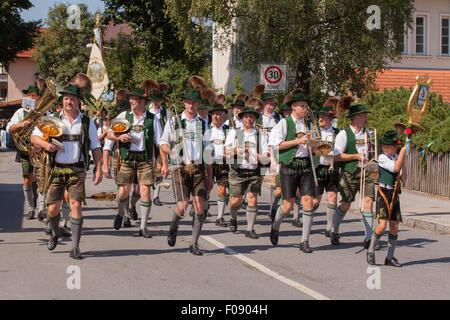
[(71, 176), (267, 130), (220, 170), (384, 197), (138, 163), (326, 179), (295, 172), (244, 179), (350, 173), (193, 176)]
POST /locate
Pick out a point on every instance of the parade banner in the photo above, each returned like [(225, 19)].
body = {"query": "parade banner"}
[(97, 72)]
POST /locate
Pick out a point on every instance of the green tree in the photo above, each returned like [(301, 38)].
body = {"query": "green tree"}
[(156, 36), (16, 35), (61, 52), (389, 107), (326, 42)]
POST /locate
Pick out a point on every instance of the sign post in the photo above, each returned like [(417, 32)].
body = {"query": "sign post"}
[(274, 77)]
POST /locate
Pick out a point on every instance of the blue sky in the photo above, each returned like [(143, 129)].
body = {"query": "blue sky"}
[(40, 9)]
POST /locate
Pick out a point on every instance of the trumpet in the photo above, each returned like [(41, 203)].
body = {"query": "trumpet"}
[(371, 167)]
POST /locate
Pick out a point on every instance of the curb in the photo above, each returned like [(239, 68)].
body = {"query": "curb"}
[(418, 223)]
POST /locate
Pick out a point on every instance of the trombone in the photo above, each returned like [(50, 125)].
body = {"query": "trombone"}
[(371, 167), (177, 168)]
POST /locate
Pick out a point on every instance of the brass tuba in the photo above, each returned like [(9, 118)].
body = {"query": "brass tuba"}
[(41, 160), (21, 138)]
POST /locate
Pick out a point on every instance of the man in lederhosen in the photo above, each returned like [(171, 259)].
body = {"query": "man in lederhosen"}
[(122, 105), (155, 91), (295, 166), (70, 165), (195, 177), (16, 123), (327, 176), (218, 133), (136, 152), (247, 150), (351, 153)]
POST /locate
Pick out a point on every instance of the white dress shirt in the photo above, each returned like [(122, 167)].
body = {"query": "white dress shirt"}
[(72, 152), (158, 114), (237, 122), (16, 118), (137, 138), (327, 135), (388, 163), (216, 139), (279, 133), (192, 137), (109, 145), (341, 142), (234, 141)]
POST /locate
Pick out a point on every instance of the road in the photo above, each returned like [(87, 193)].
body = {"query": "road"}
[(121, 265)]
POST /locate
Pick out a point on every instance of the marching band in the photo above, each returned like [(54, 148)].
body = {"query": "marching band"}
[(205, 145)]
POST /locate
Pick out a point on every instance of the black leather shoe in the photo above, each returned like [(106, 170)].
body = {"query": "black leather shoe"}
[(42, 215), (297, 222), (52, 243), (144, 233), (221, 223), (133, 213), (118, 222), (251, 234), (366, 244), (172, 237), (48, 228), (327, 233), (65, 232), (393, 263), (304, 246), (193, 248), (334, 239), (274, 234), (30, 215), (273, 213), (244, 205), (127, 223), (207, 214), (157, 202), (192, 211), (371, 258), (233, 225), (75, 254)]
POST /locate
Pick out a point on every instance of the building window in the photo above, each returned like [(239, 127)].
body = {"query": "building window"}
[(2, 69), (420, 35), (404, 42), (445, 36), (3, 93)]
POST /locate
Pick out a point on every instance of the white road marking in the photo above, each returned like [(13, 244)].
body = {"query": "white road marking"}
[(267, 271)]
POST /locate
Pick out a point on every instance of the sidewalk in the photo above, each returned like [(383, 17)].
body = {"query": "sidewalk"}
[(421, 211)]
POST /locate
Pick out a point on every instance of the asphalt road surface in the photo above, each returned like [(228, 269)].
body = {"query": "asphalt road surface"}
[(121, 265)]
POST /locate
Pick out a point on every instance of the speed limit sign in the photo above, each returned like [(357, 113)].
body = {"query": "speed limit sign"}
[(274, 77)]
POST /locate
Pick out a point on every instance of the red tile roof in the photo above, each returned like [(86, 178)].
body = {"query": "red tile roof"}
[(28, 53), (395, 78), (11, 103)]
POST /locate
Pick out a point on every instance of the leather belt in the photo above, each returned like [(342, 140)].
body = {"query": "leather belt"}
[(70, 165), (71, 137)]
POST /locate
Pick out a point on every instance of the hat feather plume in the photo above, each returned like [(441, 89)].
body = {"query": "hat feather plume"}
[(197, 82), (254, 102), (121, 95), (243, 97), (83, 81), (150, 86), (208, 94), (258, 90)]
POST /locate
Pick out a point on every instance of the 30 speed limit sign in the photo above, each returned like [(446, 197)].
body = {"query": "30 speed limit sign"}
[(274, 77)]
